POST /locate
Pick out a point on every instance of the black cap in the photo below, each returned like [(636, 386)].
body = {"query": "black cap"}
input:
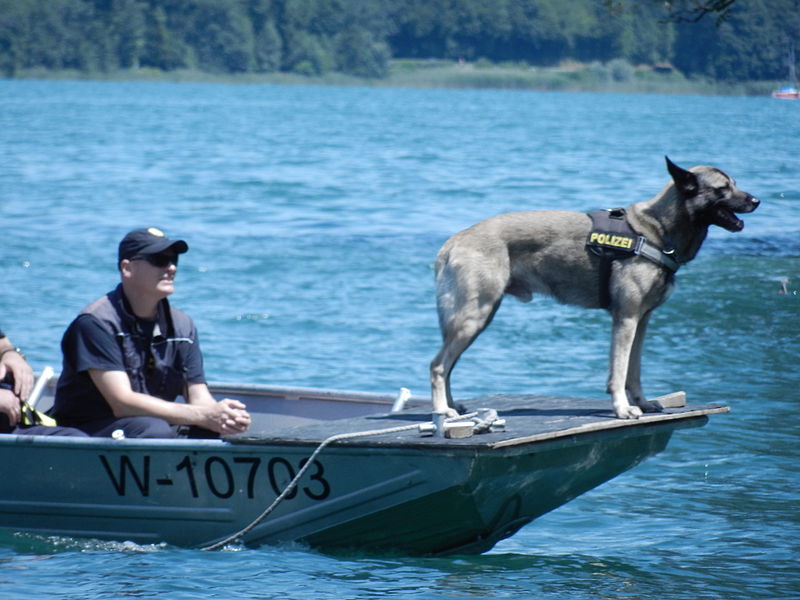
[(148, 241)]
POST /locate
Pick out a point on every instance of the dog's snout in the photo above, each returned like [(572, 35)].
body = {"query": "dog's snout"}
[(755, 202)]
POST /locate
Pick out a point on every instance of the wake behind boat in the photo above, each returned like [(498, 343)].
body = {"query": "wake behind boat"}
[(388, 483)]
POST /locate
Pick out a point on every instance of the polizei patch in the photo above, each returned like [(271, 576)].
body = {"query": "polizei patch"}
[(610, 230)]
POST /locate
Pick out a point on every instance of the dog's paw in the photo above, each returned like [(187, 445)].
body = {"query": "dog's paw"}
[(650, 407), (628, 412)]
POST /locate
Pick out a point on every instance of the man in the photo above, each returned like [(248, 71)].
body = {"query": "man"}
[(16, 383), (129, 354)]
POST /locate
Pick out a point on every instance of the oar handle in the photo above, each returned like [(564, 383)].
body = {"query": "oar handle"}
[(38, 388)]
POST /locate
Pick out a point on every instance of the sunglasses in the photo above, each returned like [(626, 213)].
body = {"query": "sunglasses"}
[(161, 260)]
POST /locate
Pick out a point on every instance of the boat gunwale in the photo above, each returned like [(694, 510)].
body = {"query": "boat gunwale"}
[(648, 419), (309, 393), (107, 443)]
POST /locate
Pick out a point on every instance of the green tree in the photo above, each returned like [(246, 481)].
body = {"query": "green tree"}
[(643, 37), (268, 47), (221, 35), (751, 43), (127, 31), (420, 28), (163, 49), (59, 36), (307, 54), (13, 36), (360, 54)]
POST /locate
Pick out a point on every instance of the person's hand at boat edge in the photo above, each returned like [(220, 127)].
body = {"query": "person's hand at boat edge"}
[(13, 361), (233, 417), (10, 406)]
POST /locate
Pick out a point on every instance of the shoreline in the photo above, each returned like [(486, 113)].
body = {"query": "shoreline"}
[(612, 77)]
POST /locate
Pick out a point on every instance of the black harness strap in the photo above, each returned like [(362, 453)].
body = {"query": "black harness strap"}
[(613, 238)]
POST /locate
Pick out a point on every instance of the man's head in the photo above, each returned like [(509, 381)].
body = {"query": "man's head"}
[(148, 242), (148, 262)]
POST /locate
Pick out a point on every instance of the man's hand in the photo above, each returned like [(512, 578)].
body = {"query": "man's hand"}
[(22, 372), (227, 417), (9, 405)]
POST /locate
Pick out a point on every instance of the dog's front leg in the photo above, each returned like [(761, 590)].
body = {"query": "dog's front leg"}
[(634, 379), (622, 339)]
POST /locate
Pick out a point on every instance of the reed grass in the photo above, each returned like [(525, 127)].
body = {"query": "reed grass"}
[(615, 76)]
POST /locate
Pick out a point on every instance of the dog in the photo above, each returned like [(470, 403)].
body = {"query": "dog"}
[(550, 252)]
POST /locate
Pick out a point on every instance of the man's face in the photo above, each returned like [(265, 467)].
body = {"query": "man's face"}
[(153, 274)]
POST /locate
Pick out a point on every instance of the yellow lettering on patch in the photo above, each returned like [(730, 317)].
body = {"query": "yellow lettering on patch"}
[(615, 241)]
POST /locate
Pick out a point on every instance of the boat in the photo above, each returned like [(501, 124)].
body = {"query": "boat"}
[(788, 92), (335, 471)]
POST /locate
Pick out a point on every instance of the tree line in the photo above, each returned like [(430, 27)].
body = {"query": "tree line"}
[(751, 40)]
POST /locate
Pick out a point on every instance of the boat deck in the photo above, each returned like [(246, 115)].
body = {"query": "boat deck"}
[(528, 419)]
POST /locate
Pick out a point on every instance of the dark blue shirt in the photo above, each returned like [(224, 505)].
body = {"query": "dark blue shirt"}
[(160, 357)]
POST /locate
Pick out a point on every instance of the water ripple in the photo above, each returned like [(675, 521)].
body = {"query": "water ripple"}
[(314, 215)]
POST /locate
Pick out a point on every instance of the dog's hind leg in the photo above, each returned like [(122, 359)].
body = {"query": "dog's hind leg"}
[(466, 303), (459, 335), (441, 368)]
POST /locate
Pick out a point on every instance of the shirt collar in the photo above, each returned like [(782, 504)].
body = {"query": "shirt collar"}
[(123, 307)]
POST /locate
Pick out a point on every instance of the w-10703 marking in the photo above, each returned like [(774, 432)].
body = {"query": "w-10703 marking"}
[(216, 474)]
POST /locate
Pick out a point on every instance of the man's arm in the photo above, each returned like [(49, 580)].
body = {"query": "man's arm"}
[(225, 417)]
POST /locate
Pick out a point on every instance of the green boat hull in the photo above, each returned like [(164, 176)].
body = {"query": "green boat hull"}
[(401, 493), (492, 496)]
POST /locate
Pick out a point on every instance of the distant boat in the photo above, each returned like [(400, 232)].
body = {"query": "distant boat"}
[(384, 485), (787, 92)]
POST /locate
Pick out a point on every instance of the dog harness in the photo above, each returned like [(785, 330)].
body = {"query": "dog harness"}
[(613, 238)]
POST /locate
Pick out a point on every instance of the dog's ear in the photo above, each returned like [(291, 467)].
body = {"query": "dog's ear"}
[(686, 181)]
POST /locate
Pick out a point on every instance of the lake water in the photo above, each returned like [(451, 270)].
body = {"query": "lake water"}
[(314, 214)]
